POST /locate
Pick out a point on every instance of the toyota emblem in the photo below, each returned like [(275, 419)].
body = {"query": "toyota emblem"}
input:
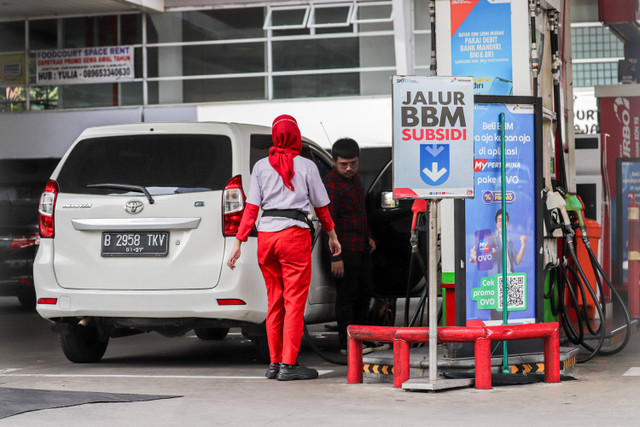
[(133, 207)]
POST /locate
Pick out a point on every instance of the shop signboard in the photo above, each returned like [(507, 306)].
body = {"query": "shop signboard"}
[(12, 70), (620, 127), (481, 44), (483, 217), (104, 64), (432, 137)]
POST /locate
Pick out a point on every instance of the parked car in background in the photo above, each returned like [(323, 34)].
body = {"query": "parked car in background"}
[(21, 183), (136, 224)]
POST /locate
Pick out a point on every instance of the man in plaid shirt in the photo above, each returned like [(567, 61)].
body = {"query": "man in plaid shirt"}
[(352, 269)]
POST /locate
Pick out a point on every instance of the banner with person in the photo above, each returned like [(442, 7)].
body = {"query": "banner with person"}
[(483, 218)]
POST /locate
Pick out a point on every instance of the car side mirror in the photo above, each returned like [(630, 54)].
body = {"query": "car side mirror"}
[(387, 201)]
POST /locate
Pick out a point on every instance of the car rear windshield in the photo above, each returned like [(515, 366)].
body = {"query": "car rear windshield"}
[(164, 164)]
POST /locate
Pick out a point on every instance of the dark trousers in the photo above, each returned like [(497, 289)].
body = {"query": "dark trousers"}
[(353, 292)]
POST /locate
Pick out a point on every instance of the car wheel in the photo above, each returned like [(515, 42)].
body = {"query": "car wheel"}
[(211, 333), (82, 344), (27, 298)]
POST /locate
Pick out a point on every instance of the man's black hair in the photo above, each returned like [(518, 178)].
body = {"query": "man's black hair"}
[(346, 148), (500, 213)]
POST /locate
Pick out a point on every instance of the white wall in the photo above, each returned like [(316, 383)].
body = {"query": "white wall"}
[(365, 119), (49, 133)]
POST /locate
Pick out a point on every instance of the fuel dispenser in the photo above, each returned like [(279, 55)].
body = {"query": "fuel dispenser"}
[(553, 271)]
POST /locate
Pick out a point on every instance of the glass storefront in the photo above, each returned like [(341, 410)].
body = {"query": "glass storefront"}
[(229, 54)]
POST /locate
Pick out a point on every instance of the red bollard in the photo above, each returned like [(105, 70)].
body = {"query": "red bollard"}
[(401, 365), (483, 363), (633, 256), (552, 357), (354, 360)]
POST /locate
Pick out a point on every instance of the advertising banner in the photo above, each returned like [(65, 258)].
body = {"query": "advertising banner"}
[(620, 120), (483, 217), (432, 137), (12, 70), (108, 64), (481, 44), (628, 188)]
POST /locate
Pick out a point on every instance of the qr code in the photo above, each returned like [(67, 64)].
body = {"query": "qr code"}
[(516, 292)]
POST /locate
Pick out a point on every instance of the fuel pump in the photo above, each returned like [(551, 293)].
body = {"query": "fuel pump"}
[(573, 286)]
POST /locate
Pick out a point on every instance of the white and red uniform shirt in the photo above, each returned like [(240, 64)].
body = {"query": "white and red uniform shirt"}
[(267, 191)]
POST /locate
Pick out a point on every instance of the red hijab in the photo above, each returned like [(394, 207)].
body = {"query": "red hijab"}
[(287, 144)]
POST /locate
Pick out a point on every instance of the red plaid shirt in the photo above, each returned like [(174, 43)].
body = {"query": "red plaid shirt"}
[(348, 211)]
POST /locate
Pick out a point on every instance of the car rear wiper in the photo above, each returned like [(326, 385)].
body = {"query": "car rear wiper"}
[(131, 187)]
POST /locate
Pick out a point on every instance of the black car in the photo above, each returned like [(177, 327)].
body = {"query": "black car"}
[(390, 223), (21, 183)]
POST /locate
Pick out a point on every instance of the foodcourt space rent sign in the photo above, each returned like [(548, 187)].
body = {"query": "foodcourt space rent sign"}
[(433, 140), (107, 64)]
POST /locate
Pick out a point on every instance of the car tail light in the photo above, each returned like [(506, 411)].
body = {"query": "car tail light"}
[(46, 209), (231, 301), (24, 241), (48, 301), (232, 205)]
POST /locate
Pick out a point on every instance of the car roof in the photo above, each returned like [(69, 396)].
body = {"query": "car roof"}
[(170, 127)]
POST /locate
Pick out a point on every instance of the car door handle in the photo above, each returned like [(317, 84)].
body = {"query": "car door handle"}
[(137, 224)]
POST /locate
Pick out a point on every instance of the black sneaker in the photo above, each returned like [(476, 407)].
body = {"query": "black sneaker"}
[(296, 372), (273, 370)]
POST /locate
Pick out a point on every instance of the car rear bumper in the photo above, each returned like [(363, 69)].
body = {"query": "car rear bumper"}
[(245, 284)]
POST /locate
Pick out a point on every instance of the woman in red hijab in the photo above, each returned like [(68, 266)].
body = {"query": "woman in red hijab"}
[(283, 185)]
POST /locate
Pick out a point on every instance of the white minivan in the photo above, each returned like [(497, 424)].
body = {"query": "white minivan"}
[(136, 224)]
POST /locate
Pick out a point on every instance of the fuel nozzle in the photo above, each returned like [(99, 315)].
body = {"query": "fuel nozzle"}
[(575, 205), (557, 219), (418, 207)]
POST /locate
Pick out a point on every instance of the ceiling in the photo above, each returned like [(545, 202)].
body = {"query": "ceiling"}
[(17, 9), (11, 9)]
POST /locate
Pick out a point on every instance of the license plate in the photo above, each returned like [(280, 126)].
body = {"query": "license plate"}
[(150, 244)]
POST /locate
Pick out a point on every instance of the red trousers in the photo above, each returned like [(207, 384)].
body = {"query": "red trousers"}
[(285, 261)]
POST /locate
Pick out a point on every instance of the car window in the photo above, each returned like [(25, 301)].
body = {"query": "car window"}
[(322, 162), (260, 144), (383, 181), (164, 164), (21, 184), (24, 179)]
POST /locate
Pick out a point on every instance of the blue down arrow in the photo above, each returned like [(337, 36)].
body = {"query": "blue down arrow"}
[(434, 163)]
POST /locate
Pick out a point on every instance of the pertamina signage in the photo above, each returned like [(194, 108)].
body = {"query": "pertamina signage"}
[(433, 143)]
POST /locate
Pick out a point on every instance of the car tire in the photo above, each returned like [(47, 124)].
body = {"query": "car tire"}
[(211, 333), (82, 344)]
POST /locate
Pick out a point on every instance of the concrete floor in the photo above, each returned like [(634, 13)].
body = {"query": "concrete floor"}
[(219, 384)]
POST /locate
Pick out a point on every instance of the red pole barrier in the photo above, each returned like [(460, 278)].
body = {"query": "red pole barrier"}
[(460, 334), (354, 360), (552, 358), (633, 255), (401, 366), (483, 363)]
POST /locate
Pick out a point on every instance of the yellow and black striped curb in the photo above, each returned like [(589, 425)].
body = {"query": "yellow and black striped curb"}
[(534, 368), (377, 369), (617, 338)]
